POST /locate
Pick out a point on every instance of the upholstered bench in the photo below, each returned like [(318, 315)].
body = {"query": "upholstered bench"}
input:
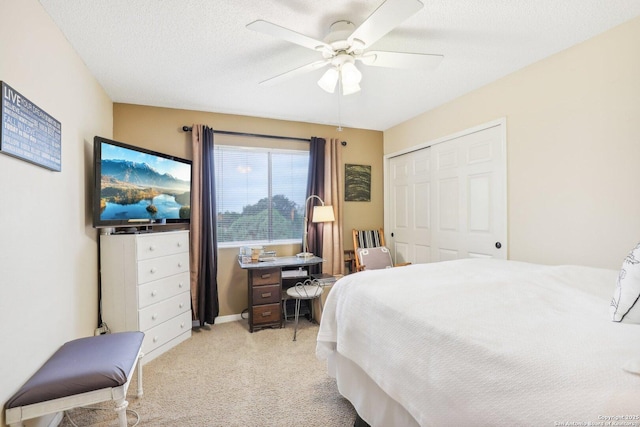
[(82, 372)]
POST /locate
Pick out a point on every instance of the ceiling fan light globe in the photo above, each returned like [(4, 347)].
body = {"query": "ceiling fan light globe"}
[(329, 80), (348, 89), (350, 74)]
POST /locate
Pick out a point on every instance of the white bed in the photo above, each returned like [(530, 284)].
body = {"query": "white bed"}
[(481, 342)]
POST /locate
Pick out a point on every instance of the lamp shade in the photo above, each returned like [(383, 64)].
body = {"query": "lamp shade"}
[(323, 214)]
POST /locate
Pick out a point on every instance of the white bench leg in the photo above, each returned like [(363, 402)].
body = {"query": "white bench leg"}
[(139, 391), (121, 409)]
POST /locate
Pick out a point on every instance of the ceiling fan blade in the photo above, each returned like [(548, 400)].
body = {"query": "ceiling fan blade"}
[(288, 35), (294, 73), (385, 18), (420, 61)]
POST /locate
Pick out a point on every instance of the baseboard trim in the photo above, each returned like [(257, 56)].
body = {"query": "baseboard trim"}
[(220, 319), (228, 318)]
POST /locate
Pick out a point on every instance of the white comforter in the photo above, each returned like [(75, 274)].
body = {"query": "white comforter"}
[(488, 342)]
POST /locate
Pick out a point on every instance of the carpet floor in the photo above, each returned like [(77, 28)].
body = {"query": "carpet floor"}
[(226, 376)]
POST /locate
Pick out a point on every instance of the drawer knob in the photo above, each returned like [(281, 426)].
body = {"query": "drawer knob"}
[(182, 325), (266, 313), (266, 294), (179, 244), (152, 248), (154, 317), (180, 285), (154, 293), (155, 339), (153, 270), (179, 265), (181, 305)]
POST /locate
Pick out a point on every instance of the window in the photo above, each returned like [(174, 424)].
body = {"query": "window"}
[(260, 194)]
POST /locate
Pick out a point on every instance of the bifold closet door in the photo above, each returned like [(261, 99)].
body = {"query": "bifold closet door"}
[(410, 201), (448, 201)]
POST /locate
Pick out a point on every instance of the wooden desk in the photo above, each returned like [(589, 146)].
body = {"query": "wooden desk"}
[(265, 288)]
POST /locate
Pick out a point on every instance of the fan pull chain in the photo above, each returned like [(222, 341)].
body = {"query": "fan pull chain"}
[(339, 94)]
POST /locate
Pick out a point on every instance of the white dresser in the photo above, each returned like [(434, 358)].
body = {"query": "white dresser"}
[(145, 287)]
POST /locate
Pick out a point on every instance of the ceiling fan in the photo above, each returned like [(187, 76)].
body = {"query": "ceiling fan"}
[(346, 44)]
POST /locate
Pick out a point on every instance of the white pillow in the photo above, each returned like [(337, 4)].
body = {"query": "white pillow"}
[(625, 305), (375, 258)]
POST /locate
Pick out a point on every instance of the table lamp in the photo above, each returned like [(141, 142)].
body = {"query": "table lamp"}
[(320, 214)]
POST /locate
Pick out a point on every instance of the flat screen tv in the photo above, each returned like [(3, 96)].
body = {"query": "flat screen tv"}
[(134, 186)]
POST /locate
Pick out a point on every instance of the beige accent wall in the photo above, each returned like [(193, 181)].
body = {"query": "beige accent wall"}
[(573, 144), (161, 129), (48, 248)]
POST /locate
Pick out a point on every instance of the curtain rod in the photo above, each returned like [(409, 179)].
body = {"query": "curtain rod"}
[(258, 135)]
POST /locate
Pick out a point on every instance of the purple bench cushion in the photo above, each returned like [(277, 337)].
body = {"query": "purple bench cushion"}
[(82, 365)]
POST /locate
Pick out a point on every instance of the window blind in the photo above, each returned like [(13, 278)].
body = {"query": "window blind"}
[(260, 194)]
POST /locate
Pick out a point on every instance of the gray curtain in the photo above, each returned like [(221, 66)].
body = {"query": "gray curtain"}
[(315, 186), (204, 241)]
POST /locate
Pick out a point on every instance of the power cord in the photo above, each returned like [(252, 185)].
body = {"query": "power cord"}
[(95, 408)]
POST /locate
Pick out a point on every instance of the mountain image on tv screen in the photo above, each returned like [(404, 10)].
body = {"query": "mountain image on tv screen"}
[(137, 185)]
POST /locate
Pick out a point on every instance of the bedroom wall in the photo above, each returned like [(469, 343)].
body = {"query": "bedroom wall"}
[(48, 251), (161, 129), (573, 142)]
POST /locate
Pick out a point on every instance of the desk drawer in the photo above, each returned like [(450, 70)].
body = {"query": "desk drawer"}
[(265, 276), (268, 313), (266, 294)]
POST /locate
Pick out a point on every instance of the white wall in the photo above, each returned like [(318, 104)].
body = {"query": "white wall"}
[(48, 249), (573, 147)]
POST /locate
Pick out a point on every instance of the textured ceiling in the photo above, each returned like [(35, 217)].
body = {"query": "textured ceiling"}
[(199, 55)]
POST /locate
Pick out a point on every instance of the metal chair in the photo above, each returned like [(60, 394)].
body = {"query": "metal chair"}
[(308, 290)]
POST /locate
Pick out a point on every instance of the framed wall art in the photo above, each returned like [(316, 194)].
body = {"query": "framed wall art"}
[(27, 132), (357, 183)]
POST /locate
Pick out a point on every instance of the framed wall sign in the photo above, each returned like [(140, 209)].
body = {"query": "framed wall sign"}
[(357, 183), (27, 132)]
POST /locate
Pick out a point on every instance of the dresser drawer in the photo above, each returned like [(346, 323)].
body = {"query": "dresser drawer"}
[(155, 337), (265, 276), (156, 314), (157, 268), (161, 244), (268, 313), (266, 294), (158, 290)]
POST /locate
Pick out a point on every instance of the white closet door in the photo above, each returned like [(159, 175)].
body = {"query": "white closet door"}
[(448, 201), (410, 218), (470, 203)]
